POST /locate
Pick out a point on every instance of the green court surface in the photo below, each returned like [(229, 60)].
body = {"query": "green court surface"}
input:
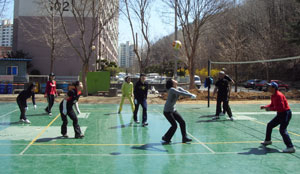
[(113, 144)]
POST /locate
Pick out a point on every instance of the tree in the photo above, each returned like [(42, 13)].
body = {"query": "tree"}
[(193, 15), (90, 17), (139, 10), (3, 5)]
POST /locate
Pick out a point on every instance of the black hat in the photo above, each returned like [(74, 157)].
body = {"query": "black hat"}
[(52, 74)]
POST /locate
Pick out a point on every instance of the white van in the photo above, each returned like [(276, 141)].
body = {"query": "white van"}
[(197, 81)]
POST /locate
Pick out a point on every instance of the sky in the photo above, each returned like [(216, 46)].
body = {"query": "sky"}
[(158, 28)]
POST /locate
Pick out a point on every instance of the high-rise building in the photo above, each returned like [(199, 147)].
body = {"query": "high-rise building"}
[(6, 33), (32, 29), (126, 55)]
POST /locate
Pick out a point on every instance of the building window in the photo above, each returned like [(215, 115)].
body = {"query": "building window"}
[(12, 70)]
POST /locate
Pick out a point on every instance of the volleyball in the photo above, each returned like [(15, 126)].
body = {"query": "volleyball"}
[(176, 44)]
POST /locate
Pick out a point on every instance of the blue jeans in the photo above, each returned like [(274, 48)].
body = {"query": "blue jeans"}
[(144, 105), (282, 118)]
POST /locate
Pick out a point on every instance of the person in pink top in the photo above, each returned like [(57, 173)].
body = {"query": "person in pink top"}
[(50, 93), (283, 117)]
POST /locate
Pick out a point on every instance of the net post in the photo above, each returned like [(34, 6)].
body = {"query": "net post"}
[(208, 91)]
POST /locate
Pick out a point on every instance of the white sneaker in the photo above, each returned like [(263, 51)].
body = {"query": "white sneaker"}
[(50, 114), (27, 121), (231, 119), (21, 121), (266, 143), (289, 150), (216, 118)]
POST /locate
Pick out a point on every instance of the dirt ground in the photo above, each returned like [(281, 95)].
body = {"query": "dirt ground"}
[(236, 98)]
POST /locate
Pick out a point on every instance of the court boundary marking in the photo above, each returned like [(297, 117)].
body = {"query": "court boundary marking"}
[(8, 113), (40, 134)]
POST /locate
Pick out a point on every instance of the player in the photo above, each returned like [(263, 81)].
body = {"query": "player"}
[(127, 92), (171, 114), (283, 117), (50, 93), (66, 108), (22, 102)]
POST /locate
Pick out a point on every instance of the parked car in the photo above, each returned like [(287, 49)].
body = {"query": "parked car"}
[(197, 81), (260, 85), (281, 85), (251, 83)]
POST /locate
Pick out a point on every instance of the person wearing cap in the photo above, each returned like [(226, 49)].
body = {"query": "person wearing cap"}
[(22, 102), (127, 92), (222, 88), (284, 114), (50, 93), (140, 98), (231, 82)]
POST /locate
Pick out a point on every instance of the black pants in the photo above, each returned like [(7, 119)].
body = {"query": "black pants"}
[(144, 105), (282, 118), (226, 106), (172, 117), (22, 106), (74, 118), (50, 99)]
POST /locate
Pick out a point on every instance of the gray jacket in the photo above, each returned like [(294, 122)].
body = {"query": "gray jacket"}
[(173, 95)]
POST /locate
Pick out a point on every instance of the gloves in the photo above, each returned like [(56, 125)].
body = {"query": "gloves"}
[(34, 107), (26, 108), (193, 96)]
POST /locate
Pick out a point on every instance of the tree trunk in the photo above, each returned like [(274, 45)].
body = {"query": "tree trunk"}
[(236, 78), (192, 73), (85, 68)]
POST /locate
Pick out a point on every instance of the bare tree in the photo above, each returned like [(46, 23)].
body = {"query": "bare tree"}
[(3, 5), (192, 15), (139, 10), (89, 17)]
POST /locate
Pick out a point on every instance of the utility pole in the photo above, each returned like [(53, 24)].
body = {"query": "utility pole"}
[(176, 52)]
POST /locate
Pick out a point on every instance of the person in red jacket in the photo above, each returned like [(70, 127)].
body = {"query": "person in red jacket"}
[(283, 117), (50, 92)]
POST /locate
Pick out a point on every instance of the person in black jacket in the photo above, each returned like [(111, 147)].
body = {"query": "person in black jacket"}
[(140, 98), (22, 102), (66, 108)]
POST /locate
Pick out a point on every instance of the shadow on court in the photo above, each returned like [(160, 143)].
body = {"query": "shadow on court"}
[(34, 115), (10, 123), (259, 151), (42, 140), (150, 147)]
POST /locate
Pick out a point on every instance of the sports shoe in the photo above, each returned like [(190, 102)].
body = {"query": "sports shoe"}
[(222, 114), (50, 114), (266, 143), (186, 139), (216, 118), (137, 121), (289, 150), (231, 119), (65, 136), (27, 121), (144, 124), (79, 136), (165, 140), (21, 121)]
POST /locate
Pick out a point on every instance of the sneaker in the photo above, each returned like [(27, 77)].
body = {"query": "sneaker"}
[(50, 114), (27, 121), (186, 139), (65, 136), (137, 121), (165, 140), (46, 110), (289, 150), (145, 124), (79, 136), (21, 121), (216, 118), (231, 119), (266, 143)]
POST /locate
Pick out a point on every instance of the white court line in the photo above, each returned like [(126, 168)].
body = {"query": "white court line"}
[(213, 152), (259, 113), (111, 155), (8, 113)]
